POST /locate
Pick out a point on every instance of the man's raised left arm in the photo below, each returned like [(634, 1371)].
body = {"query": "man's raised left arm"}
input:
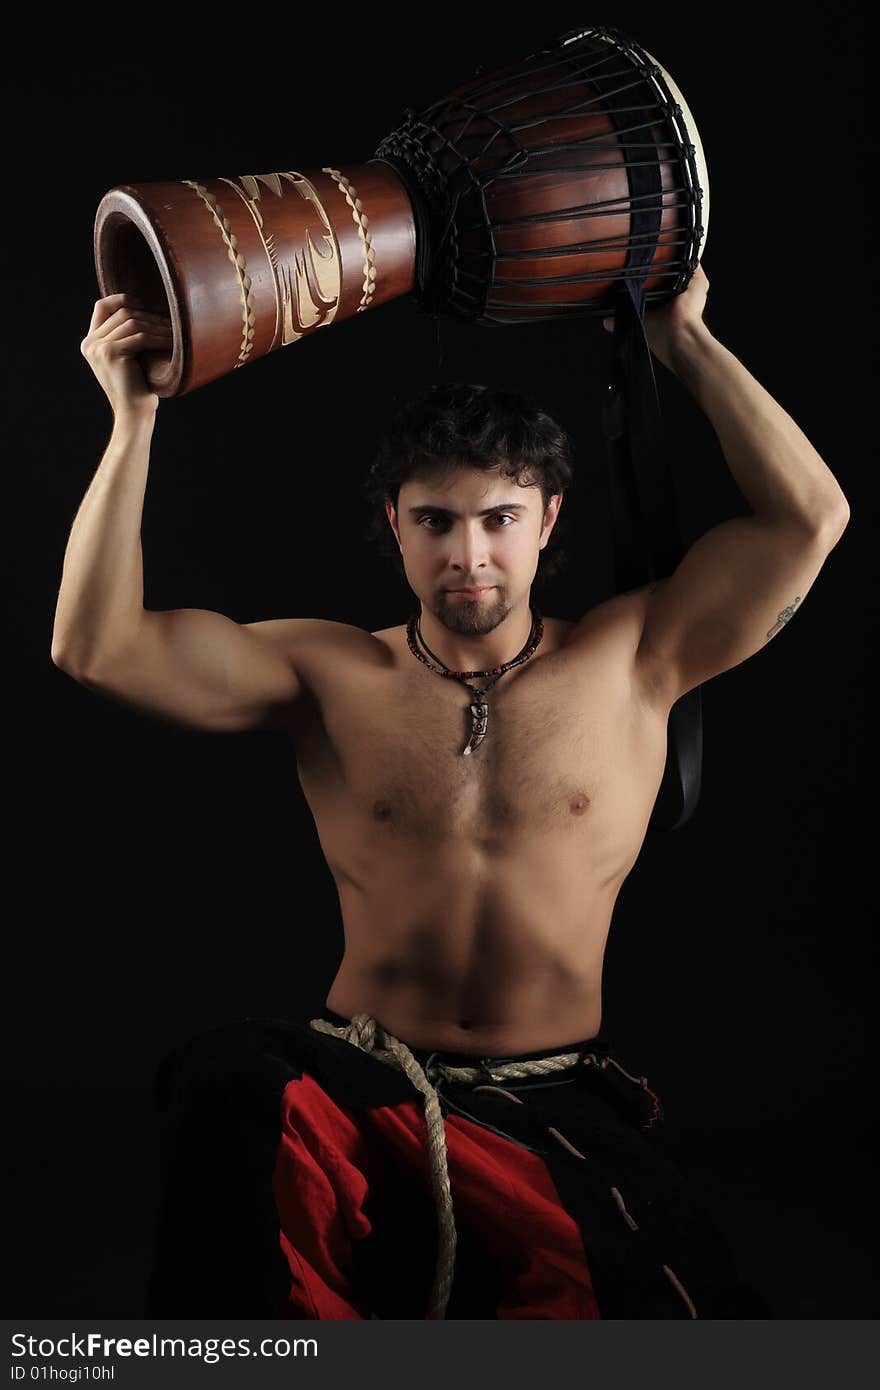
[(741, 582)]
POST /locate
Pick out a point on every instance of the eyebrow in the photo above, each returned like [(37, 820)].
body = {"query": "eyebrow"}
[(487, 511)]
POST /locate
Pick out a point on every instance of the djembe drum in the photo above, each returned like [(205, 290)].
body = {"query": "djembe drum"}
[(570, 183), (531, 192)]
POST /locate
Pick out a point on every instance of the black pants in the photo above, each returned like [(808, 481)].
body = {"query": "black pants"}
[(295, 1183)]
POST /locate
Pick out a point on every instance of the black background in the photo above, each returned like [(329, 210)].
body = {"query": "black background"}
[(162, 880)]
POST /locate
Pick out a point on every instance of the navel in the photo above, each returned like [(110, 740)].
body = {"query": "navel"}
[(579, 804)]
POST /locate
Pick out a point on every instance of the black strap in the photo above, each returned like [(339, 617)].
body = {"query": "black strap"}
[(647, 537)]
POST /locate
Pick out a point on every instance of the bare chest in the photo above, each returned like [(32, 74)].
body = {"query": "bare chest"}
[(566, 741)]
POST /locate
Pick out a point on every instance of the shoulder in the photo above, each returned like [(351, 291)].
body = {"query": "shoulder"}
[(617, 625), (620, 615), (319, 649), (297, 636), (321, 653)]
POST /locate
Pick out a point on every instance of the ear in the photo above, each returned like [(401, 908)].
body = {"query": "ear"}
[(391, 513), (551, 512)]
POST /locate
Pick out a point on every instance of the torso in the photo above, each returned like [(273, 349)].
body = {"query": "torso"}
[(476, 892)]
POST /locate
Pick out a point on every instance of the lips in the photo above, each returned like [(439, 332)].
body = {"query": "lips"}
[(473, 593)]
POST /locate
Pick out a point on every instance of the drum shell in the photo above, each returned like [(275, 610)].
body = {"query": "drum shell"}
[(246, 265)]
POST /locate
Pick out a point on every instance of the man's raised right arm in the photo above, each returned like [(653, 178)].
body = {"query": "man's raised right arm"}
[(189, 666)]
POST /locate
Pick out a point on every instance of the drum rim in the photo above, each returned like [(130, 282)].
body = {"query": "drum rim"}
[(687, 120), (690, 125)]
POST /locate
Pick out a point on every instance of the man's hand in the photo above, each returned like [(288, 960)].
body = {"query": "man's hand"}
[(667, 324), (120, 331)]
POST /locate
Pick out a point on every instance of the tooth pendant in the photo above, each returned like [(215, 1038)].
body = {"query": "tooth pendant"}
[(479, 721)]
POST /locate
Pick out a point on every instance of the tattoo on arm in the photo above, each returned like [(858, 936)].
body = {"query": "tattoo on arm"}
[(783, 618)]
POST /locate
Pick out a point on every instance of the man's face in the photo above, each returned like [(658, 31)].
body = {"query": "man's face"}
[(471, 527)]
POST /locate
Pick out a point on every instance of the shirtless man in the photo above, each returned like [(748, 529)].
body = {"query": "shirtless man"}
[(476, 891)]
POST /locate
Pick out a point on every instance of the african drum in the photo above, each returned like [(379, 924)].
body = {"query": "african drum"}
[(533, 191)]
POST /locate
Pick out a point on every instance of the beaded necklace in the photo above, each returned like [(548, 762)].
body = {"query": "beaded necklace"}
[(479, 708)]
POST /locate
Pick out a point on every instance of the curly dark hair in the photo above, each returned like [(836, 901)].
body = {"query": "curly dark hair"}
[(462, 425)]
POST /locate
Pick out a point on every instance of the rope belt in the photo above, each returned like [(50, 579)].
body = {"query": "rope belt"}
[(366, 1033)]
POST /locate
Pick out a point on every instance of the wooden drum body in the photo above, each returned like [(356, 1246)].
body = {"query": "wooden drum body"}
[(247, 265)]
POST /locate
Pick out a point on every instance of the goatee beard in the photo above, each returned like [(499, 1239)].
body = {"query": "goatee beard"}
[(471, 617)]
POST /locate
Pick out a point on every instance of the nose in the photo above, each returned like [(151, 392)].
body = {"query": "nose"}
[(468, 552)]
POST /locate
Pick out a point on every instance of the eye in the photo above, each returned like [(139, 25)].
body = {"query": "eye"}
[(497, 516)]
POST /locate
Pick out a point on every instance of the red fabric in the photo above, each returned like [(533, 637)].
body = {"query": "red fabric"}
[(503, 1194)]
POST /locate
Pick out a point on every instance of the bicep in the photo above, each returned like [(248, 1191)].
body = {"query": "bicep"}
[(201, 669), (733, 591)]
